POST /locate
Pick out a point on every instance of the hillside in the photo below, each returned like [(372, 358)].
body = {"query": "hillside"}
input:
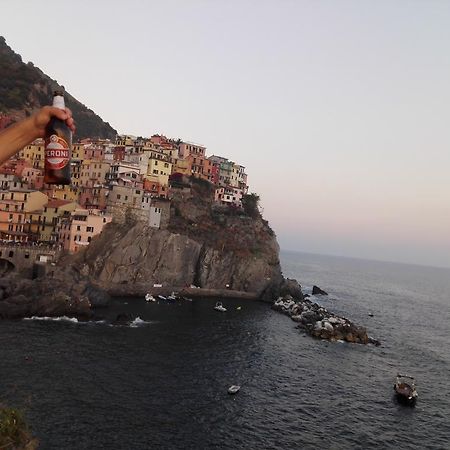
[(203, 245), (25, 88)]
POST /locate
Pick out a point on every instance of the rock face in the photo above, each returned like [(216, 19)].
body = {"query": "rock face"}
[(63, 295), (320, 323), (317, 291), (203, 246)]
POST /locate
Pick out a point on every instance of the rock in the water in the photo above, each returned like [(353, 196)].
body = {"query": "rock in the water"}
[(317, 291), (318, 322), (292, 288), (123, 319)]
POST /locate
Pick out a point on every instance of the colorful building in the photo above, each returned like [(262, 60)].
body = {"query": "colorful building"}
[(14, 206), (76, 232)]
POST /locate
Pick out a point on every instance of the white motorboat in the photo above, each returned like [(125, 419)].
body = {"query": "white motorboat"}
[(220, 307), (172, 297), (149, 298), (234, 389), (405, 388)]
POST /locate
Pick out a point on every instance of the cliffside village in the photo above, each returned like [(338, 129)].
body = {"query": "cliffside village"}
[(110, 180)]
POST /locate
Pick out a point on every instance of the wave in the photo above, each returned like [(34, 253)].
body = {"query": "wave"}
[(54, 319), (138, 322), (64, 319)]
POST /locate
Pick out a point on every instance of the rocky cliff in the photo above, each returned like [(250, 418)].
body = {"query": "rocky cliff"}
[(25, 88), (204, 245)]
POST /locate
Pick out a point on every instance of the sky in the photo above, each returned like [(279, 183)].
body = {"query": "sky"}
[(339, 110)]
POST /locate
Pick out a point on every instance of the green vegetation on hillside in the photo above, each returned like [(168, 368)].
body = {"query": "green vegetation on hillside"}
[(14, 432), (24, 88)]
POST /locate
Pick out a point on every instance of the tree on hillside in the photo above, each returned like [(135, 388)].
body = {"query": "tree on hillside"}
[(250, 203)]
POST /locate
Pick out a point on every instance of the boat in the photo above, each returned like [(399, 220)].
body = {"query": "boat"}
[(220, 307), (161, 297), (405, 388), (172, 297), (149, 298), (234, 389)]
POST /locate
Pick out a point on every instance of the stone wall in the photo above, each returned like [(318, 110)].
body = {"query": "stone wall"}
[(23, 258)]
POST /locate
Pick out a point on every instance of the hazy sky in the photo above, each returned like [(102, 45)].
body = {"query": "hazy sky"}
[(338, 109)]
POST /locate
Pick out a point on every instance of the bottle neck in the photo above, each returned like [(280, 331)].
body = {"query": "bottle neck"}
[(58, 102)]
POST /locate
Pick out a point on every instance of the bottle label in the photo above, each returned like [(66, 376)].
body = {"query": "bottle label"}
[(57, 154)]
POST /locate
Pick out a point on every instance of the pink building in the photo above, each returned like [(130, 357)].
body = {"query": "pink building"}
[(119, 153), (93, 197), (33, 177), (188, 148), (94, 151), (77, 232)]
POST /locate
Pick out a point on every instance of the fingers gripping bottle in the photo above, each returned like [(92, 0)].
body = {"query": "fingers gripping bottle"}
[(58, 147)]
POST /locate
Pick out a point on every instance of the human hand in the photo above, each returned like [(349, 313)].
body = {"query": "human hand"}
[(43, 116)]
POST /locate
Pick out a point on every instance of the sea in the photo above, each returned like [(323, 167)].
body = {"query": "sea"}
[(161, 381)]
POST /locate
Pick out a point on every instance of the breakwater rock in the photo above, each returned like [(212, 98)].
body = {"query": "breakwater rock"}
[(61, 295), (320, 323)]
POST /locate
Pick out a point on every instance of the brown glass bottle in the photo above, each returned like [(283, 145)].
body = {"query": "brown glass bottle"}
[(58, 147)]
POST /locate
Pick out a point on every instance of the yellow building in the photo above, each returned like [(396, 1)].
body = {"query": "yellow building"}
[(75, 172), (34, 154), (15, 204), (78, 151), (93, 173), (51, 215), (127, 141), (159, 168), (67, 192), (183, 166)]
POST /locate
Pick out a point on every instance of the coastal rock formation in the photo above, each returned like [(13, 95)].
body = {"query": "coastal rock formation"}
[(320, 323), (317, 291), (61, 295), (203, 245)]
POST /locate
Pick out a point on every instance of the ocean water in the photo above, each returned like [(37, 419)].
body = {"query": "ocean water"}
[(161, 381)]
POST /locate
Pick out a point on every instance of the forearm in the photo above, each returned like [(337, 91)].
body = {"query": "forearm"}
[(16, 137)]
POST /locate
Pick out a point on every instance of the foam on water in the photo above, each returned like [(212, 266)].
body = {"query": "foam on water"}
[(53, 319), (138, 322)]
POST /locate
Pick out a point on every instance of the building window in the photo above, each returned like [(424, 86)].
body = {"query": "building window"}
[(78, 228), (11, 254), (90, 229)]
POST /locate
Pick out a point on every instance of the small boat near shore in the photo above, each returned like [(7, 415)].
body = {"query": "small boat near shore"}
[(149, 297), (234, 389), (161, 297), (172, 297), (220, 307), (405, 389)]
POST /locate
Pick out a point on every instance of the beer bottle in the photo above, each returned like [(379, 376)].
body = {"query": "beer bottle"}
[(58, 147)]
